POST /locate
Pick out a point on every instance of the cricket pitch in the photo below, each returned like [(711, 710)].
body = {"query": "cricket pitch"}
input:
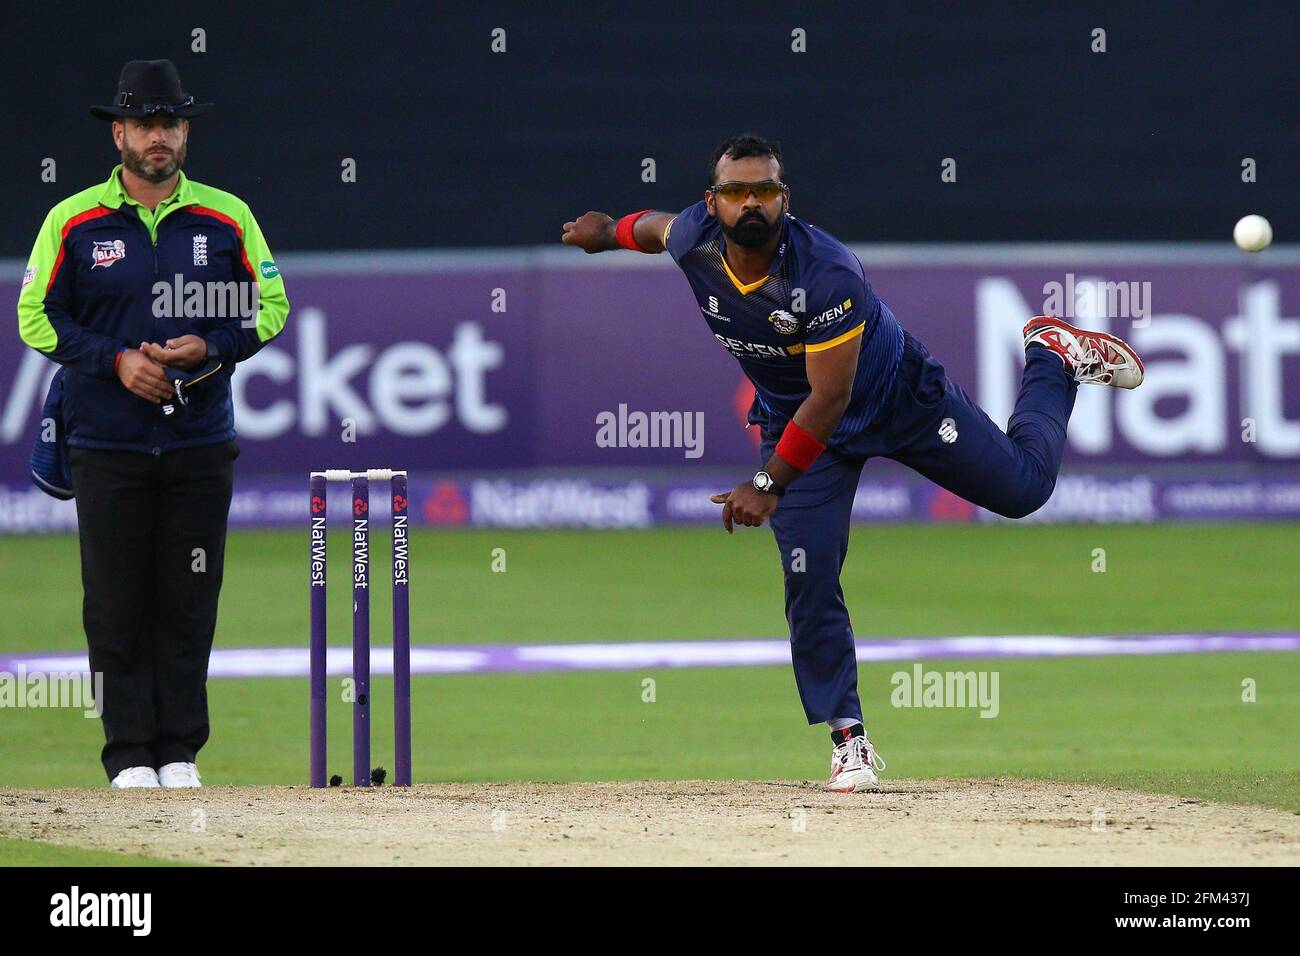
[(911, 822)]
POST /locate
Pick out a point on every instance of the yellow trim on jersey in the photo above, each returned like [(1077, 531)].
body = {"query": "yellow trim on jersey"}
[(745, 289), (667, 229), (839, 339)]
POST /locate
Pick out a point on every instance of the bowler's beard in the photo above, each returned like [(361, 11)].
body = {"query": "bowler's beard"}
[(752, 230), (140, 165)]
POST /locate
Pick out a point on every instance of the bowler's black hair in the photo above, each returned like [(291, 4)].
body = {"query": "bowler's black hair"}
[(746, 144)]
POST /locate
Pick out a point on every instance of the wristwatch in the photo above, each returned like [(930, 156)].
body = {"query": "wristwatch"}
[(763, 482)]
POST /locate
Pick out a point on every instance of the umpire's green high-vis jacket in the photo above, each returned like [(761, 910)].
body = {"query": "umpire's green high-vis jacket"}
[(95, 285)]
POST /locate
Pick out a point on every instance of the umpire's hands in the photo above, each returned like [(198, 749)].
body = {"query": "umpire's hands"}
[(745, 505), (187, 352), (143, 376)]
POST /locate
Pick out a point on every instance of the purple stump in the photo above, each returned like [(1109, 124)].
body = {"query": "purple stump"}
[(401, 637), (361, 632), (318, 625)]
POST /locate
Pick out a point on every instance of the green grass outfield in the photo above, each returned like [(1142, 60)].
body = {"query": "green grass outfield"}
[(36, 853), (699, 583), (1168, 723)]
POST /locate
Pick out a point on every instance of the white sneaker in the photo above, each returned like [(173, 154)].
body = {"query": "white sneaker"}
[(853, 766), (1093, 358), (179, 775), (135, 777)]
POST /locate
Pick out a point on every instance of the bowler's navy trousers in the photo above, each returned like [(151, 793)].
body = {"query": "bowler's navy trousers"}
[(931, 425)]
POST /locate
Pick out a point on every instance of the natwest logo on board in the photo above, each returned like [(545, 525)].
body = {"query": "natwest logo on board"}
[(1207, 376), (407, 388)]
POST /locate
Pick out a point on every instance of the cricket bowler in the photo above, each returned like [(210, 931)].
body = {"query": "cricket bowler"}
[(838, 380)]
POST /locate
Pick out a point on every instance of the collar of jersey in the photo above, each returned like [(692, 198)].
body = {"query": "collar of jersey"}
[(115, 196), (745, 288)]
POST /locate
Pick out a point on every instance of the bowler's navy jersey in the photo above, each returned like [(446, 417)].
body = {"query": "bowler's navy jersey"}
[(814, 297)]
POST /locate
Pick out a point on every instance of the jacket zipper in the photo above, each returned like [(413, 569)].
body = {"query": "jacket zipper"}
[(153, 243)]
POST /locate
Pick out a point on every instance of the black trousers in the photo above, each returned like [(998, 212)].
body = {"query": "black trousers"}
[(153, 542)]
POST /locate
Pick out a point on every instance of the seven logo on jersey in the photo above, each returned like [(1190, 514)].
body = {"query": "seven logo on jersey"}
[(739, 348), (948, 431), (107, 252), (784, 322), (200, 249), (830, 315)]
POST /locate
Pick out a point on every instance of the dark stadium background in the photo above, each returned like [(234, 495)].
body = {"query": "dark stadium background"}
[(458, 146)]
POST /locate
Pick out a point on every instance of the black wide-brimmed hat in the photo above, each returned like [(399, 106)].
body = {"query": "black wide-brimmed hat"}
[(147, 87)]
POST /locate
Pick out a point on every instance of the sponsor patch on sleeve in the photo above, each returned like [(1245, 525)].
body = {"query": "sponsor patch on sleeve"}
[(29, 276), (268, 269)]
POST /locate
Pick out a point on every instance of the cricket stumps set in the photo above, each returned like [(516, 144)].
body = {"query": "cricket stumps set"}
[(360, 483)]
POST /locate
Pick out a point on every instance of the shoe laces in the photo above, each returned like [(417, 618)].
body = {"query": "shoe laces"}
[(861, 748), (185, 771), (1091, 366)]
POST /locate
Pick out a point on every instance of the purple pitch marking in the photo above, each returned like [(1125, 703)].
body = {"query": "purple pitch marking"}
[(488, 658)]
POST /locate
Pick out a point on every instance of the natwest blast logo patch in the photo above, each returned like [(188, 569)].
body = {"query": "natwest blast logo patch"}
[(784, 322), (107, 252)]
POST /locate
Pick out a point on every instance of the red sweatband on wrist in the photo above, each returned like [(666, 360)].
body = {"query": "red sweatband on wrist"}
[(624, 234), (798, 448), (117, 359)]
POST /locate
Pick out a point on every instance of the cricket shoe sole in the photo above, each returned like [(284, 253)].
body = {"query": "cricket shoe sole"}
[(854, 781)]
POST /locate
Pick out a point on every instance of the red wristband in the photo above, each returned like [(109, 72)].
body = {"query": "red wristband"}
[(624, 234), (117, 359), (798, 448)]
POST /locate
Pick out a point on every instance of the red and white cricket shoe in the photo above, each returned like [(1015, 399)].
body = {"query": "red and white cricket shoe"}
[(1092, 357), (853, 766)]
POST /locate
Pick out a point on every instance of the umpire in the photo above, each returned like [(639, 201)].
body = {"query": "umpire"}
[(147, 412)]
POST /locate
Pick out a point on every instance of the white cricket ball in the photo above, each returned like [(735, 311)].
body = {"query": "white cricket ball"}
[(1252, 233)]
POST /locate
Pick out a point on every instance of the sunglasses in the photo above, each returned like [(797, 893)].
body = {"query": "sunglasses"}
[(766, 191)]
